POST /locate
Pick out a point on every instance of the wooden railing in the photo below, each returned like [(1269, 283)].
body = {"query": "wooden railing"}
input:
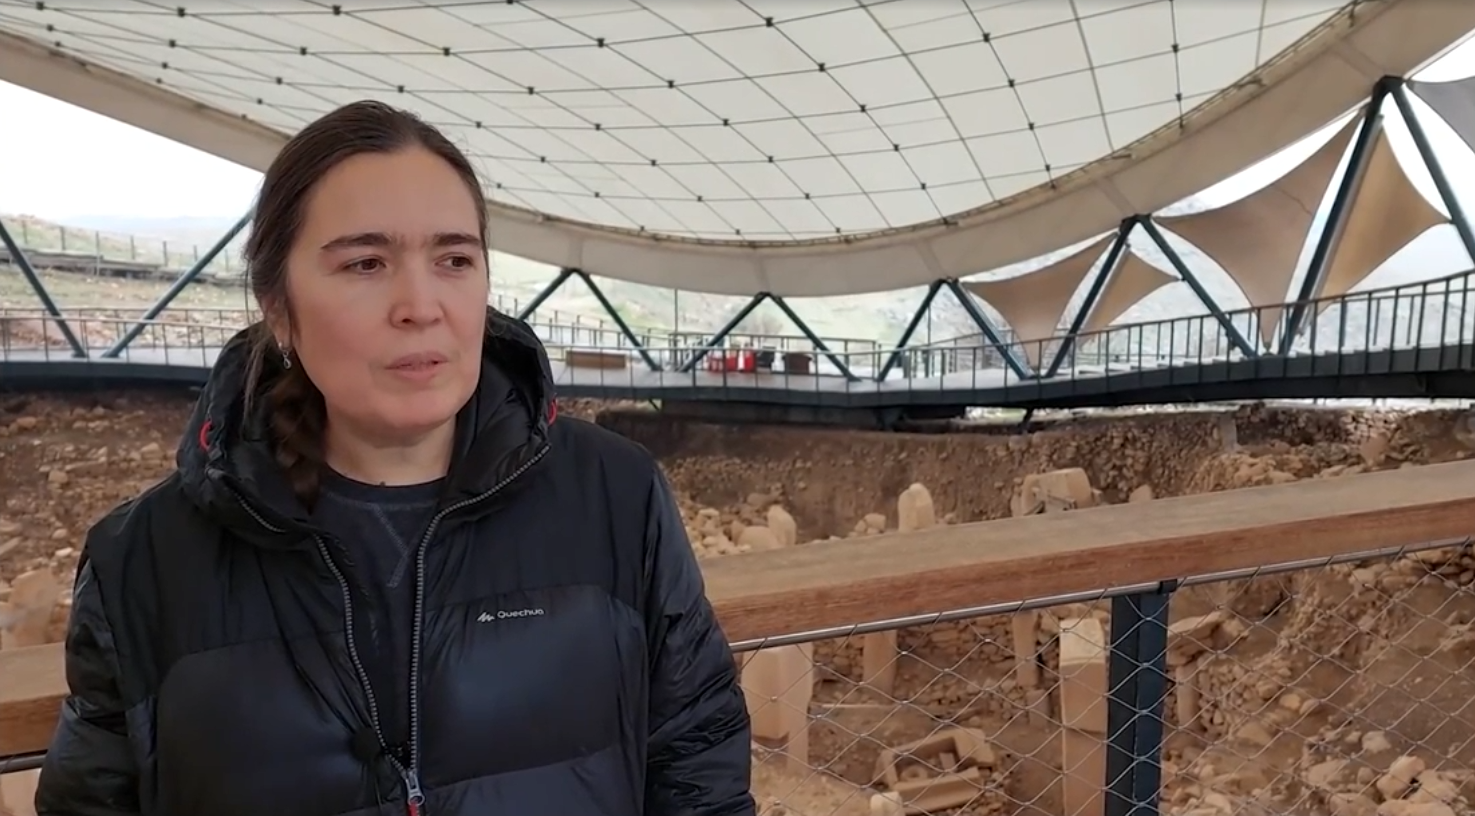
[(1128, 548)]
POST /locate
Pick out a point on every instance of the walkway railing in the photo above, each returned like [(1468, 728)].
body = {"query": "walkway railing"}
[(195, 328), (89, 251), (1275, 650), (1431, 316), (1417, 315)]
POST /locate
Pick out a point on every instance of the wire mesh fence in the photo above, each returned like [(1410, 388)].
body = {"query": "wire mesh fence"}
[(1338, 688), (1343, 689), (990, 714), (1334, 687)]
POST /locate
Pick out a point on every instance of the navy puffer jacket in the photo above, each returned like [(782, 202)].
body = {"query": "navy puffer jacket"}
[(209, 659)]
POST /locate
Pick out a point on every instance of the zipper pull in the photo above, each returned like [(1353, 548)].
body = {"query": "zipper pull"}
[(414, 796)]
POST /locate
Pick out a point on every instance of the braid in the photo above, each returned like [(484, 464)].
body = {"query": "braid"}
[(297, 414), (298, 420)]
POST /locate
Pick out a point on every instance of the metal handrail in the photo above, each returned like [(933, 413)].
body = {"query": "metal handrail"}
[(1429, 314)]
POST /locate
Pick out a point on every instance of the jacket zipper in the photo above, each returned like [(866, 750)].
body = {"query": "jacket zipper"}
[(412, 785), (414, 797), (409, 773)]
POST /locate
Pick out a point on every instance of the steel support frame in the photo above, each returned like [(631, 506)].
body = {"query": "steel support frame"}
[(547, 291), (1137, 682), (609, 308), (1020, 368), (1098, 285), (736, 320), (614, 315), (1336, 218), (923, 309), (814, 339), (1233, 333), (728, 328), (179, 285), (18, 257), (1399, 92)]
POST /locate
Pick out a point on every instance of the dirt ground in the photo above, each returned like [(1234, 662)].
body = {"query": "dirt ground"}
[(1342, 690)]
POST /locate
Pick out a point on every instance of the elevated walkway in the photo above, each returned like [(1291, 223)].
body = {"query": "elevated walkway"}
[(1402, 342)]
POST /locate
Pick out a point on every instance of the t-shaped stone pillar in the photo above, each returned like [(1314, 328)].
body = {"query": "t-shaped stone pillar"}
[(1083, 687)]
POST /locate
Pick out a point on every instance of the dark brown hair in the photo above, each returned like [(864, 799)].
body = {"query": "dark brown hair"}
[(298, 416)]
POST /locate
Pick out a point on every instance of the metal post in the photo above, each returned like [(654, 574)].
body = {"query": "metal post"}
[(1108, 268), (175, 288), (1336, 217), (18, 258), (1019, 367), (819, 345), (1235, 338), (624, 327), (1137, 688), (532, 306), (727, 328), (1436, 169), (923, 310), (1024, 421)]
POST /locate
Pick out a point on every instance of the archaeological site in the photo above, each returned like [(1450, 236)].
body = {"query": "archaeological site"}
[(1335, 688), (1069, 404)]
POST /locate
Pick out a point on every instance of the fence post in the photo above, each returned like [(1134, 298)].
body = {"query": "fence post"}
[(1137, 682)]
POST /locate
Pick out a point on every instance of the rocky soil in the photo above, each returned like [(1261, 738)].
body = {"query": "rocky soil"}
[(1340, 691)]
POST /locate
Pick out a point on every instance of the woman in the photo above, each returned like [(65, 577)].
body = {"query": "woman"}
[(383, 579)]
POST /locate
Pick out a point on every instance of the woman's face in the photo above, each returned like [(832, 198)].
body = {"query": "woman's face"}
[(388, 287)]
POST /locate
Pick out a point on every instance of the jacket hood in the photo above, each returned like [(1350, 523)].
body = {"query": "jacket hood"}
[(227, 466)]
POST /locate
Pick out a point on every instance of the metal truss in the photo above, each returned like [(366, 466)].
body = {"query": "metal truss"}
[(715, 341), (1098, 285), (923, 310), (1236, 338), (180, 284), (1399, 93), (1394, 88), (18, 257), (1112, 260), (1012, 358), (1336, 220), (1298, 311), (564, 275)]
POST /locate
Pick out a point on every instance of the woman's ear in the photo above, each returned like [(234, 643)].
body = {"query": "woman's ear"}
[(278, 321)]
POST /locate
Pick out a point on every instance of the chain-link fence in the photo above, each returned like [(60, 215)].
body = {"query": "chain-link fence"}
[(965, 716), (1336, 687), (1343, 689)]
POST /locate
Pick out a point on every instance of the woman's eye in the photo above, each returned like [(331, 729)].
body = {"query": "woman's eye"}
[(460, 262), (366, 265)]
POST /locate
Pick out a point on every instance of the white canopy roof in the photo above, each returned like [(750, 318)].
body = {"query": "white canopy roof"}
[(802, 147)]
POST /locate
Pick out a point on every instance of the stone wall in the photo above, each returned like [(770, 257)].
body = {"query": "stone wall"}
[(831, 478)]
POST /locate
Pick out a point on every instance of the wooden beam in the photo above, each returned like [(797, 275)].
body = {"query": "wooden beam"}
[(838, 583), (32, 684), (848, 581)]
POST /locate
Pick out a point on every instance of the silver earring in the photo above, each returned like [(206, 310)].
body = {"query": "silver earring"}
[(286, 358)]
